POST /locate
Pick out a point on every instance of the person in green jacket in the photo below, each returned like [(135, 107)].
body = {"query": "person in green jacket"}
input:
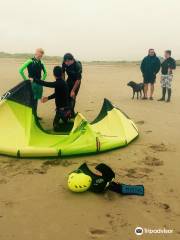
[(35, 68)]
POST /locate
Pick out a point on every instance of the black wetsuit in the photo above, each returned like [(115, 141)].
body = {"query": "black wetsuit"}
[(74, 72), (61, 96), (35, 68), (169, 63)]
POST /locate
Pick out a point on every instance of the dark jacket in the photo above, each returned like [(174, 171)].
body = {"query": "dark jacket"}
[(169, 63), (61, 92), (150, 66)]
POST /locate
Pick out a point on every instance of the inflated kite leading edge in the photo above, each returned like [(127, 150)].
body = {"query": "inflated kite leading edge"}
[(21, 134)]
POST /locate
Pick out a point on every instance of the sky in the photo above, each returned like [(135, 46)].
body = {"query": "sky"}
[(91, 29)]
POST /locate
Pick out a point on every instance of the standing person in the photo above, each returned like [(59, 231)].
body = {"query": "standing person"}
[(61, 96), (150, 66), (167, 67), (35, 67), (73, 69)]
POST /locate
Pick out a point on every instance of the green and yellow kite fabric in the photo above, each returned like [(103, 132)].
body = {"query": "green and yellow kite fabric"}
[(22, 136)]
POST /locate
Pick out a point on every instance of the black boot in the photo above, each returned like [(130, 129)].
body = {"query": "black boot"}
[(163, 94), (169, 95), (35, 109)]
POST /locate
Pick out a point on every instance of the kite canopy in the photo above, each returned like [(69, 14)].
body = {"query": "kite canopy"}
[(21, 134)]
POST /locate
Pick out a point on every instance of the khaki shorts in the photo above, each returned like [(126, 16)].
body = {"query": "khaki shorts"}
[(166, 80)]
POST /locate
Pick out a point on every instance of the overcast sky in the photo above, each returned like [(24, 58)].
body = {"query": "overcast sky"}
[(91, 29)]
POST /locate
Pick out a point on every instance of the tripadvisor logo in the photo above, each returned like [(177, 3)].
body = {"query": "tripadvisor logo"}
[(140, 231)]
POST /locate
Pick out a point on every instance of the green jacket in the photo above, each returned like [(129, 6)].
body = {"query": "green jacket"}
[(35, 68)]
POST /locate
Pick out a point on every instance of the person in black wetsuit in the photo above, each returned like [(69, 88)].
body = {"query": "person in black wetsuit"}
[(167, 67), (73, 69), (61, 96)]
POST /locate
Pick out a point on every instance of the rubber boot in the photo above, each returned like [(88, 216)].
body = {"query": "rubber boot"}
[(169, 95), (163, 94)]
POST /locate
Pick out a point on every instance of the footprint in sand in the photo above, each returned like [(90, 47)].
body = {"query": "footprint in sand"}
[(37, 171), (152, 161), (136, 173), (159, 147), (3, 181), (140, 122), (66, 163), (111, 221), (96, 232), (88, 110), (109, 196), (55, 162), (9, 203), (148, 131), (146, 170), (165, 206)]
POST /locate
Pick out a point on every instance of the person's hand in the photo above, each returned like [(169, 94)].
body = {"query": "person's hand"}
[(72, 94), (30, 79), (44, 99), (169, 70)]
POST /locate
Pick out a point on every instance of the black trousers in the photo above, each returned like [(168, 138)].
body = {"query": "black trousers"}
[(35, 106), (72, 101), (63, 115)]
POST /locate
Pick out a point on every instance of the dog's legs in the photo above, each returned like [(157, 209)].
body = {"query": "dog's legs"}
[(141, 94), (137, 95), (133, 94)]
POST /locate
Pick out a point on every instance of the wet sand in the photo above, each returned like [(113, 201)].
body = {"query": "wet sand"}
[(34, 200)]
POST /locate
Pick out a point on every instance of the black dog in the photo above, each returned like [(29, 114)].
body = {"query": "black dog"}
[(137, 88)]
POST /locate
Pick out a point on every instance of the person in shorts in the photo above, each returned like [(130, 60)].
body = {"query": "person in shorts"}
[(150, 66), (167, 67)]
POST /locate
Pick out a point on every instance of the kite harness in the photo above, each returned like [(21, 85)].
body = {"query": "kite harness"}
[(84, 179)]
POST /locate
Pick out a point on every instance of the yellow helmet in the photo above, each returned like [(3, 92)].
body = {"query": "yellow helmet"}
[(79, 182)]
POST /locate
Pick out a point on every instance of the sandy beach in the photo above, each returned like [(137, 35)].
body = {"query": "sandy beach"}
[(34, 200)]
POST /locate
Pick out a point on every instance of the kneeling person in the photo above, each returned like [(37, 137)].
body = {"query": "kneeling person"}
[(61, 96)]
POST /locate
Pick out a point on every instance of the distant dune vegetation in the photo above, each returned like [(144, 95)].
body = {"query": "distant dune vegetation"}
[(58, 58), (27, 55)]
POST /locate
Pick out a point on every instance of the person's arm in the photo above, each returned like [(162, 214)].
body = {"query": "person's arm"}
[(46, 84), (63, 71), (76, 85), (78, 79), (51, 96), (158, 66), (23, 67), (45, 99), (172, 66), (142, 66), (44, 71)]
